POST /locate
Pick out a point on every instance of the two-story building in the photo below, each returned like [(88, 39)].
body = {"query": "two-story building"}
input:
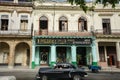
[(107, 32), (15, 33)]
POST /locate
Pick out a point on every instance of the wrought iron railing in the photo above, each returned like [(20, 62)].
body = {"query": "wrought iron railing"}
[(62, 33), (111, 32), (16, 32), (11, 2), (6, 1)]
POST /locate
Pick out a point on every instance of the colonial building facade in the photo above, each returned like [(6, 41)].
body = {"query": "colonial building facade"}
[(51, 32), (15, 33), (107, 30), (62, 33)]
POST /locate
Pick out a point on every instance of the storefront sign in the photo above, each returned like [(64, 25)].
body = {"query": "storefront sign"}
[(79, 41)]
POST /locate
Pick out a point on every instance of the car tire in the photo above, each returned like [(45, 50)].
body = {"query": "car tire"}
[(44, 77), (76, 77), (36, 77)]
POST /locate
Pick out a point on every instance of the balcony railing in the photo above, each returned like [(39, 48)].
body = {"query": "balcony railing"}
[(11, 2), (6, 1), (61, 33), (112, 32), (15, 32)]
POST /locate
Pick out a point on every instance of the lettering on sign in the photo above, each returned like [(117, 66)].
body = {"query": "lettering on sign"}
[(80, 41)]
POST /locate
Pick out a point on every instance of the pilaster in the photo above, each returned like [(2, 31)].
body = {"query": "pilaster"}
[(118, 54), (11, 56)]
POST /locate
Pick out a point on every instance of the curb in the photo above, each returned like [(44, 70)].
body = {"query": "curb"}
[(7, 78)]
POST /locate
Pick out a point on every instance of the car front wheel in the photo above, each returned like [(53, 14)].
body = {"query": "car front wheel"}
[(44, 77), (76, 77)]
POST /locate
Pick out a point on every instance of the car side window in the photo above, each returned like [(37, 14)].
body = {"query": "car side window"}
[(58, 67)]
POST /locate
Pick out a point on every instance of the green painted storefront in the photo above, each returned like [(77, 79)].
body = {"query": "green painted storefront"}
[(48, 50)]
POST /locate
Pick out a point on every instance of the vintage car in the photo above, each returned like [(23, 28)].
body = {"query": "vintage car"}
[(61, 71)]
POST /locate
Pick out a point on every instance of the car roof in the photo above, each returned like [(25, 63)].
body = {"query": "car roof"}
[(64, 64)]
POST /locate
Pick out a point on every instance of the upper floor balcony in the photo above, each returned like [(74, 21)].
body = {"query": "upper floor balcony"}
[(62, 33), (107, 33), (16, 33), (16, 2)]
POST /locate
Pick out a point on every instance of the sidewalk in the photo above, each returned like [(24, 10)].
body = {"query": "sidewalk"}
[(24, 69), (15, 69), (105, 69)]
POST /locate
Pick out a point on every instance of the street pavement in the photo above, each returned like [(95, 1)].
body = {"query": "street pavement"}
[(29, 74)]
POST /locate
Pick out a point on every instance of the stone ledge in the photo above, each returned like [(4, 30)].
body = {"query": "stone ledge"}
[(7, 78)]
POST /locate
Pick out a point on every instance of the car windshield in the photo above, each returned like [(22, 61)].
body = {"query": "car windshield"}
[(64, 66)]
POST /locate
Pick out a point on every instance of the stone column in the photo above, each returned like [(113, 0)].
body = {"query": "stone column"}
[(106, 57), (118, 54), (15, 1), (37, 56), (97, 52), (73, 54), (11, 56), (33, 56), (94, 53), (30, 57), (53, 55)]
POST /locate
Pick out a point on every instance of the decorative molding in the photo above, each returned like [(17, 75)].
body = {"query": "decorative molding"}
[(9, 11), (105, 14), (107, 10)]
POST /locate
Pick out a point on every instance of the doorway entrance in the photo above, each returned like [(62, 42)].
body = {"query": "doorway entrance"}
[(111, 53), (61, 54), (44, 55), (81, 56)]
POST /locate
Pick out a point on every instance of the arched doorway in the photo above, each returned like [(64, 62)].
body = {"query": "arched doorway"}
[(82, 24), (4, 54), (63, 24), (43, 25), (22, 54)]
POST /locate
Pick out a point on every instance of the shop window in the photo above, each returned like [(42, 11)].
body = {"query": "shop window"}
[(4, 22), (63, 24), (82, 24), (24, 22), (106, 26), (43, 22), (101, 53), (4, 58)]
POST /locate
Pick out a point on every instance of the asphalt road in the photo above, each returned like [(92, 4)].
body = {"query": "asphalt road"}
[(29, 75)]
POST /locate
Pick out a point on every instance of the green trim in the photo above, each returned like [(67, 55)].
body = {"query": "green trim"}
[(74, 63), (52, 64), (62, 37), (33, 65), (37, 64), (95, 63)]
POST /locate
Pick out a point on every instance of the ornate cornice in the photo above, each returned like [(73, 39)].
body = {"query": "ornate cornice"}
[(105, 14), (107, 10), (42, 7)]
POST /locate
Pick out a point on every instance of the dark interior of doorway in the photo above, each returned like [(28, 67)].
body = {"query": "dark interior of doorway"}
[(61, 54), (81, 56), (44, 55), (28, 56), (111, 53)]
